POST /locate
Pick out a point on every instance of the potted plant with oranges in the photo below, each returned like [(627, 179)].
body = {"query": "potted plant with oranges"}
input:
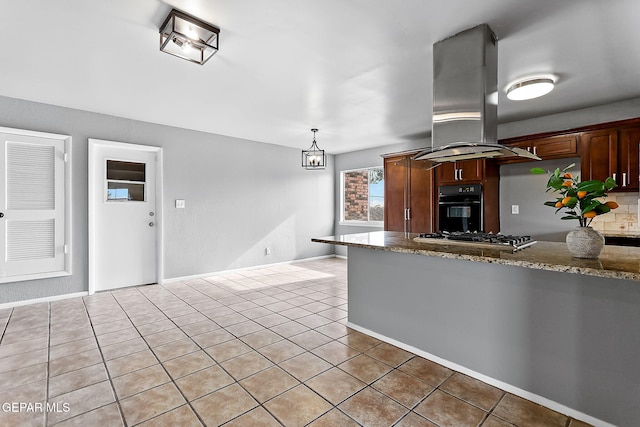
[(582, 201)]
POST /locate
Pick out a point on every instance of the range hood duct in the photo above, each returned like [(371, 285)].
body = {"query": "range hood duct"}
[(465, 99)]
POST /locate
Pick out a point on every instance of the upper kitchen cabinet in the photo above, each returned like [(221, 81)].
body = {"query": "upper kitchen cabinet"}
[(628, 158), (547, 148), (408, 195), (460, 172), (611, 152)]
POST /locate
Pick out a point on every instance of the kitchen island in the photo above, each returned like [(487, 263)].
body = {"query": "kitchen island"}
[(538, 323)]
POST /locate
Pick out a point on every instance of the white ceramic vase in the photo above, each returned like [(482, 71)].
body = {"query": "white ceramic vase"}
[(585, 242)]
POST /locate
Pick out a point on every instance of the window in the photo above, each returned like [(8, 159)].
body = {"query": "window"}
[(125, 181), (35, 199), (363, 196)]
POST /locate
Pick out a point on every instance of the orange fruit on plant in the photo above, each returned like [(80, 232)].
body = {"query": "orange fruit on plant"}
[(581, 194), (559, 205), (611, 204), (568, 175), (590, 214), (567, 184), (566, 200)]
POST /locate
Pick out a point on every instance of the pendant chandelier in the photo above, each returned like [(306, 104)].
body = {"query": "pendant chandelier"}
[(313, 157)]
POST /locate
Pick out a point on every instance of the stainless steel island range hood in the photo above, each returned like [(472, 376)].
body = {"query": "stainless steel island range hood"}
[(465, 99)]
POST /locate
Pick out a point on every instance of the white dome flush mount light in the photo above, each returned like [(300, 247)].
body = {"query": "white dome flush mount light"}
[(530, 88)]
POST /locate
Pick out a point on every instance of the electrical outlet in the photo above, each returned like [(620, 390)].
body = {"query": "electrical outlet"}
[(267, 251), (180, 203), (515, 209)]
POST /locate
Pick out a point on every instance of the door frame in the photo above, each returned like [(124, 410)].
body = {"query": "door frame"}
[(94, 145)]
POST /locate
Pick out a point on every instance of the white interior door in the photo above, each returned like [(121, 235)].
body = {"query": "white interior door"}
[(125, 217)]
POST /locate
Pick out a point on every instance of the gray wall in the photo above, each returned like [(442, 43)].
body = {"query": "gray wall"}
[(241, 196), (519, 187), (571, 338), (512, 181)]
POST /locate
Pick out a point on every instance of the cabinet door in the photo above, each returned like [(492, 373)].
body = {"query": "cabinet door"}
[(420, 198), (599, 155), (447, 173), (460, 172), (555, 147), (470, 170), (395, 181), (628, 159)]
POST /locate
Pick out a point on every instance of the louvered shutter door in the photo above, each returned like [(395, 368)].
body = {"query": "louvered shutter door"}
[(33, 223)]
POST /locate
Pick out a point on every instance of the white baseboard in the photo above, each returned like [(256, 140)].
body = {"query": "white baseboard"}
[(341, 256), (235, 270), (45, 299), (492, 381)]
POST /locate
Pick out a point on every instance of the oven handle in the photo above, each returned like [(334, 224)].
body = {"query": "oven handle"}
[(473, 202)]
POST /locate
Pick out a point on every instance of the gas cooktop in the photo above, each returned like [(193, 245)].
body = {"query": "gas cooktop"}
[(479, 239)]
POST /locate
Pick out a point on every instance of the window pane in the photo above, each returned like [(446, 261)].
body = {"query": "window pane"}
[(356, 195), (122, 191), (376, 194), (125, 171)]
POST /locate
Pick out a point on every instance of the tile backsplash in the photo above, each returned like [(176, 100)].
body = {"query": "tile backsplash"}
[(622, 221)]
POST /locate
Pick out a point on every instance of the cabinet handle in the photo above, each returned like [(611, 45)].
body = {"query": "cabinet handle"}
[(529, 149), (535, 149), (408, 214), (460, 170), (624, 179), (614, 177)]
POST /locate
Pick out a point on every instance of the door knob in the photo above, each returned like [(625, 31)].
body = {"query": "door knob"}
[(151, 224), (1, 215)]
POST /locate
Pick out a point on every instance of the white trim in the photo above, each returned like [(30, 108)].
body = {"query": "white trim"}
[(341, 256), (496, 383), (44, 299), (372, 224), (235, 270), (93, 143)]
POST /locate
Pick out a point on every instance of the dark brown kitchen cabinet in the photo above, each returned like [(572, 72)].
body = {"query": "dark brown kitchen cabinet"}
[(628, 159), (460, 172), (547, 148), (408, 195), (611, 153)]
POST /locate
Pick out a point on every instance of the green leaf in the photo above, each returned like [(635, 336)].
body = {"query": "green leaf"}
[(609, 183), (555, 182), (550, 203), (570, 217), (592, 186), (537, 171), (572, 202), (602, 208), (568, 167), (586, 207)]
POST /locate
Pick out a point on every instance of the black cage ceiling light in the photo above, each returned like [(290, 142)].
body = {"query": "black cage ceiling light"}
[(188, 37), (313, 157)]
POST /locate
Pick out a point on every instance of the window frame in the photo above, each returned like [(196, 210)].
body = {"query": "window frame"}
[(368, 223)]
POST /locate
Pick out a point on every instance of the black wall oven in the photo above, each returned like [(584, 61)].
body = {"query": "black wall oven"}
[(460, 208)]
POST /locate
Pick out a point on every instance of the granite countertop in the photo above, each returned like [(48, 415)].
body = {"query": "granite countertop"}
[(619, 262)]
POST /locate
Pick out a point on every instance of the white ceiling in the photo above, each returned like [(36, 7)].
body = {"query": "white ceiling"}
[(359, 70)]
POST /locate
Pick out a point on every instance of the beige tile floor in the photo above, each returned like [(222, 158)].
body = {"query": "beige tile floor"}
[(262, 347)]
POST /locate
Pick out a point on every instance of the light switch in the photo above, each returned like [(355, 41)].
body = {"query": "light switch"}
[(515, 209), (180, 203)]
